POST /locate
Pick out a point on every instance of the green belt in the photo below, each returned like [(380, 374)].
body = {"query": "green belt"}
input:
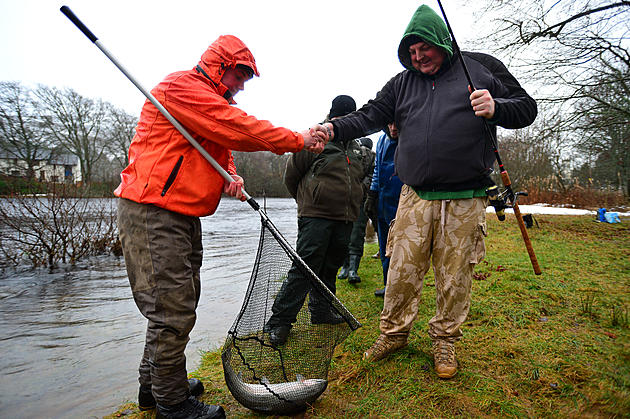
[(465, 194)]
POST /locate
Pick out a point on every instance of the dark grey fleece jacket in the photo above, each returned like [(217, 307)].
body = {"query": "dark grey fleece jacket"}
[(442, 145)]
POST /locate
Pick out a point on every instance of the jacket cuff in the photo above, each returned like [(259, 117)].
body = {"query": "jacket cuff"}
[(497, 111), (300, 142)]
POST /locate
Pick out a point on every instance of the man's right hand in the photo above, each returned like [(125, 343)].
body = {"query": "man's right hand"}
[(315, 138)]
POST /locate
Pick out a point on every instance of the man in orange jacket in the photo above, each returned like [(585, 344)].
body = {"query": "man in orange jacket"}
[(164, 190)]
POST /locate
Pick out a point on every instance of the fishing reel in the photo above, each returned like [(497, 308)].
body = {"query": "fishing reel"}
[(502, 200)]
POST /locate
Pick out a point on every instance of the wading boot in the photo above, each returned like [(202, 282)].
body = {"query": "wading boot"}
[(278, 334), (444, 358), (147, 402), (190, 408), (384, 346), (353, 269), (330, 317), (343, 273)]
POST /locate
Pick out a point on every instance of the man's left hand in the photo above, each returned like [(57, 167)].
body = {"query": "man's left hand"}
[(235, 187), (482, 103)]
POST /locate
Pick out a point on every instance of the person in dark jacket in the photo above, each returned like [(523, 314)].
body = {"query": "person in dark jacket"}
[(444, 160), (382, 200), (350, 267), (328, 191)]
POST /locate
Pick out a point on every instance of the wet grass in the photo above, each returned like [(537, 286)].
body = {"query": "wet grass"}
[(555, 345)]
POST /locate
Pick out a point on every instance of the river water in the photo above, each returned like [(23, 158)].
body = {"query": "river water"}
[(71, 341)]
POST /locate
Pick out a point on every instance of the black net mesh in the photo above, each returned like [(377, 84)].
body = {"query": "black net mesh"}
[(283, 375)]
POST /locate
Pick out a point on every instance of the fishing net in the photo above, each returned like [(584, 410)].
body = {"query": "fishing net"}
[(274, 377)]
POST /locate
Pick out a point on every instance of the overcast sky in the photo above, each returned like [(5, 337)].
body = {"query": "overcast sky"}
[(307, 52)]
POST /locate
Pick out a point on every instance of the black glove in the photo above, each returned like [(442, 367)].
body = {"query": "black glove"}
[(371, 206)]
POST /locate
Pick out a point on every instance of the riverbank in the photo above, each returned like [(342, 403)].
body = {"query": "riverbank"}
[(556, 345)]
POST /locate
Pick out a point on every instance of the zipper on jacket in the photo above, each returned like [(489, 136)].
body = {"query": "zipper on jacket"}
[(428, 140), (173, 175), (349, 180)]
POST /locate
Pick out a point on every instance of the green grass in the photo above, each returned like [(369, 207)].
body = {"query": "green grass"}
[(555, 345)]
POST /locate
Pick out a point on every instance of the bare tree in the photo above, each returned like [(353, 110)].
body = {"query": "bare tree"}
[(107, 170), (262, 172), (527, 157), (21, 134), (577, 53), (559, 43), (607, 128), (121, 129), (76, 123)]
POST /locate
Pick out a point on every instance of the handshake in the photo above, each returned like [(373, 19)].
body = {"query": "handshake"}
[(316, 137)]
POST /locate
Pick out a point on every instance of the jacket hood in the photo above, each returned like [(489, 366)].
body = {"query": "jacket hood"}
[(427, 26), (226, 52), (389, 134)]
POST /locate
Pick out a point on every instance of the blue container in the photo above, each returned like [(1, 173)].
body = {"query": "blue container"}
[(601, 215), (612, 217)]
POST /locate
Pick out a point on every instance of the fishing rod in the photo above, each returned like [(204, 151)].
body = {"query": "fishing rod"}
[(317, 283), (508, 198)]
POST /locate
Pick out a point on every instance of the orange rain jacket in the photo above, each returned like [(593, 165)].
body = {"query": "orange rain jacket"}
[(164, 169)]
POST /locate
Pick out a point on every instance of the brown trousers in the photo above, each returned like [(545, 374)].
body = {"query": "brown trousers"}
[(163, 254), (451, 234)]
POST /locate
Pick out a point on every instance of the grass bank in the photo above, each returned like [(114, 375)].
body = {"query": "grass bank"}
[(556, 345)]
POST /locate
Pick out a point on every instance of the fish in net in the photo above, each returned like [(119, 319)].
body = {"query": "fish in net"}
[(282, 378)]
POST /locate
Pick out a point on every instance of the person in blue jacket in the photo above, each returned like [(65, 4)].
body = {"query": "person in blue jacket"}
[(382, 200)]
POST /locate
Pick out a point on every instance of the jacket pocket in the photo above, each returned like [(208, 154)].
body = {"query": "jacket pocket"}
[(315, 192), (173, 175), (318, 166)]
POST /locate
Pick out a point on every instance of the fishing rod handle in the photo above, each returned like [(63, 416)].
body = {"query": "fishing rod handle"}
[(74, 19), (528, 242), (505, 178), (521, 224)]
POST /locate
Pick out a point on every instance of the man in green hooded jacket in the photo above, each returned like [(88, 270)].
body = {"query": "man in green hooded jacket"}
[(444, 160)]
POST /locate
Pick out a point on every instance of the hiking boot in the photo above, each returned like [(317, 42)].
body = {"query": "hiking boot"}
[(384, 346), (189, 409), (380, 292), (353, 268), (279, 334), (147, 402), (343, 273), (444, 358)]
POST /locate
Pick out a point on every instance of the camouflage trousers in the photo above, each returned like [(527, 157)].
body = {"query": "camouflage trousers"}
[(450, 233), (163, 256)]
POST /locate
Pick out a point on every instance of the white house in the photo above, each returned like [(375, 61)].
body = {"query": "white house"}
[(50, 166)]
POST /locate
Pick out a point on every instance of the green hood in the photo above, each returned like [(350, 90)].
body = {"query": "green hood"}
[(428, 27)]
